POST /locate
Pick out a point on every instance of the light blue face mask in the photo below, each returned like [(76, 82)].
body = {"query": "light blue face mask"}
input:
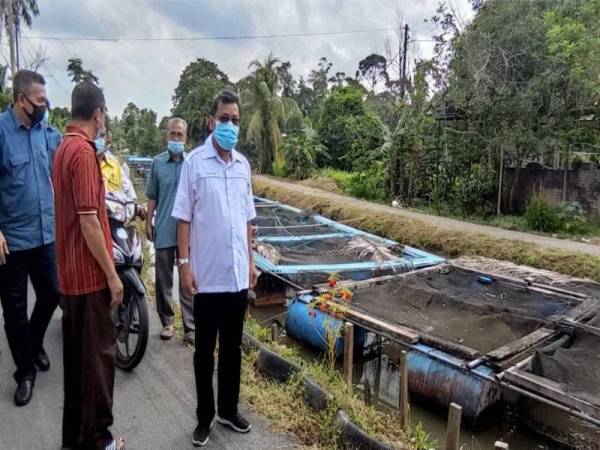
[(46, 118), (226, 135), (175, 147), (100, 145)]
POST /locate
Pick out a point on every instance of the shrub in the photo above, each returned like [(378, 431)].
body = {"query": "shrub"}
[(572, 218), (471, 191), (542, 216), (299, 152), (371, 184)]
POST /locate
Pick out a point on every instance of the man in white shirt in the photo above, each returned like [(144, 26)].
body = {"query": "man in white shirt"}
[(214, 207)]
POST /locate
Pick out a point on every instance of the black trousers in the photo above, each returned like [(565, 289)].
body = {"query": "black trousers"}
[(26, 337), (221, 313), (89, 370)]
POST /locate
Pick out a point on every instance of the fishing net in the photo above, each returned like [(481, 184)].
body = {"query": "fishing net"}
[(329, 251), (540, 276), (453, 304), (575, 366), (276, 221)]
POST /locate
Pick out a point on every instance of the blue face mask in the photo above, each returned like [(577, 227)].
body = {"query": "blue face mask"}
[(175, 147), (46, 118), (100, 145), (226, 135)]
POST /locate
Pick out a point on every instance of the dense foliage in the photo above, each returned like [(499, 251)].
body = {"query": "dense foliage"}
[(518, 84)]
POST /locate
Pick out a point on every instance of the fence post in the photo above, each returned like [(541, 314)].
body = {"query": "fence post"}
[(453, 430), (274, 332), (403, 405), (348, 353), (499, 445)]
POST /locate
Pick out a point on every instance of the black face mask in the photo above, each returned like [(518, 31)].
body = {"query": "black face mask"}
[(37, 114)]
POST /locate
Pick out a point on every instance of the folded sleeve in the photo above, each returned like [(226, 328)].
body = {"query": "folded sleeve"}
[(184, 198), (85, 181)]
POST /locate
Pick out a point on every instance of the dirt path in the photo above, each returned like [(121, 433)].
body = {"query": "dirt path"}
[(442, 222)]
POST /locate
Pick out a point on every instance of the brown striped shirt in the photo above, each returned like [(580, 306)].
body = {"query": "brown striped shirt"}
[(78, 187)]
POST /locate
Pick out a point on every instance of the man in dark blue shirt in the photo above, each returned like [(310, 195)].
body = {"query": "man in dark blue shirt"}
[(26, 229)]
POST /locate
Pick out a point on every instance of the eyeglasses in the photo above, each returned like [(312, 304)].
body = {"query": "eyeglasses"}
[(225, 119)]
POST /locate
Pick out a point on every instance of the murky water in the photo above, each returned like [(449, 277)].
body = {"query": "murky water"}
[(381, 370)]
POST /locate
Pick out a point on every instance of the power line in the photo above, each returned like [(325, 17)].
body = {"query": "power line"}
[(203, 38)]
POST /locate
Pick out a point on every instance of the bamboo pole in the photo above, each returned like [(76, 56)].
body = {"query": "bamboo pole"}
[(348, 353), (453, 430), (274, 332), (403, 405)]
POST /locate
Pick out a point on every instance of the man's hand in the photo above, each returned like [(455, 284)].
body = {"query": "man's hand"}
[(116, 291), (252, 276), (149, 231), (3, 249), (188, 282), (141, 212)]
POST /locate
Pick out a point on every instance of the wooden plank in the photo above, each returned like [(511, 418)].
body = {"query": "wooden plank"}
[(566, 324), (403, 404), (399, 332), (449, 346), (370, 282), (583, 309), (520, 344), (549, 389)]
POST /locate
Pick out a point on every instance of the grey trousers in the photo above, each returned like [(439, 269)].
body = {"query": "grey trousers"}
[(164, 262)]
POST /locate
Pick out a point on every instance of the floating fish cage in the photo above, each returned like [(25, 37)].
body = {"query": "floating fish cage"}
[(461, 327), (567, 372), (303, 249)]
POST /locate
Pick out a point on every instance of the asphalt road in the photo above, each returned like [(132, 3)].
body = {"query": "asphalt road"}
[(154, 405)]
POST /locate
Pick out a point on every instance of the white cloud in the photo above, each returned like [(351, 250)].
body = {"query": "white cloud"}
[(147, 72)]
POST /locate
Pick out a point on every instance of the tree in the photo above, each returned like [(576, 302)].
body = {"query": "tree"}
[(198, 85), (78, 73), (137, 131), (350, 132), (373, 69), (286, 79), (269, 112)]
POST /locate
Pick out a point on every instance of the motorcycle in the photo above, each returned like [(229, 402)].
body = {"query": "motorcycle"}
[(131, 317)]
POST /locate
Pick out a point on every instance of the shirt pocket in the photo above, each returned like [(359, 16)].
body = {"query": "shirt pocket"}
[(19, 161)]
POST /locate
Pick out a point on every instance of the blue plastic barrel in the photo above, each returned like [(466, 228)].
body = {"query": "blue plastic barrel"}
[(313, 330)]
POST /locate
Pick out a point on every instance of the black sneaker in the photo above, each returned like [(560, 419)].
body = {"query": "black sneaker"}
[(201, 434), (237, 423)]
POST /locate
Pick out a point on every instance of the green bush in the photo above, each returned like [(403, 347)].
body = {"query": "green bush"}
[(572, 218), (371, 184), (542, 216), (299, 152), (471, 191)]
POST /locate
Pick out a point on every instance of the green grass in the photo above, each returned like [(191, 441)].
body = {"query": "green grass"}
[(283, 403)]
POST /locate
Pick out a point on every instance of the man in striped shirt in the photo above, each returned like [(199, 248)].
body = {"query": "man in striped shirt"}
[(88, 280)]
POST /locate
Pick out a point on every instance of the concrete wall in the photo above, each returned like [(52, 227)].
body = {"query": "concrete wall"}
[(583, 187)]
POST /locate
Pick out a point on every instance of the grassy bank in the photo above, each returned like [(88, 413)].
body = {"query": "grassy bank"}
[(448, 243), (284, 405)]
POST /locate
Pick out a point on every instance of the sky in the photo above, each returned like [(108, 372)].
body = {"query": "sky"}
[(147, 72)]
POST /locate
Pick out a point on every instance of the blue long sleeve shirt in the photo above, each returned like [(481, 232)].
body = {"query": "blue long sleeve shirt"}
[(26, 194)]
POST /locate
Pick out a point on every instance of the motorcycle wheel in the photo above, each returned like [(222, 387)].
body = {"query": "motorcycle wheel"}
[(131, 321)]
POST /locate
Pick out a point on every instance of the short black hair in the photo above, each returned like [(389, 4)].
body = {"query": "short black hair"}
[(227, 97), (23, 80), (85, 99)]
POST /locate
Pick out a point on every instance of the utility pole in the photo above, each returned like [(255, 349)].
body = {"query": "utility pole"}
[(404, 57), (17, 31), (11, 38)]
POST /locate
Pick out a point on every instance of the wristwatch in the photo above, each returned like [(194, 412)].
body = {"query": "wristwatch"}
[(182, 261)]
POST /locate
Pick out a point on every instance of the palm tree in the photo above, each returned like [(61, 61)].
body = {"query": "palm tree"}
[(17, 11), (269, 111)]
